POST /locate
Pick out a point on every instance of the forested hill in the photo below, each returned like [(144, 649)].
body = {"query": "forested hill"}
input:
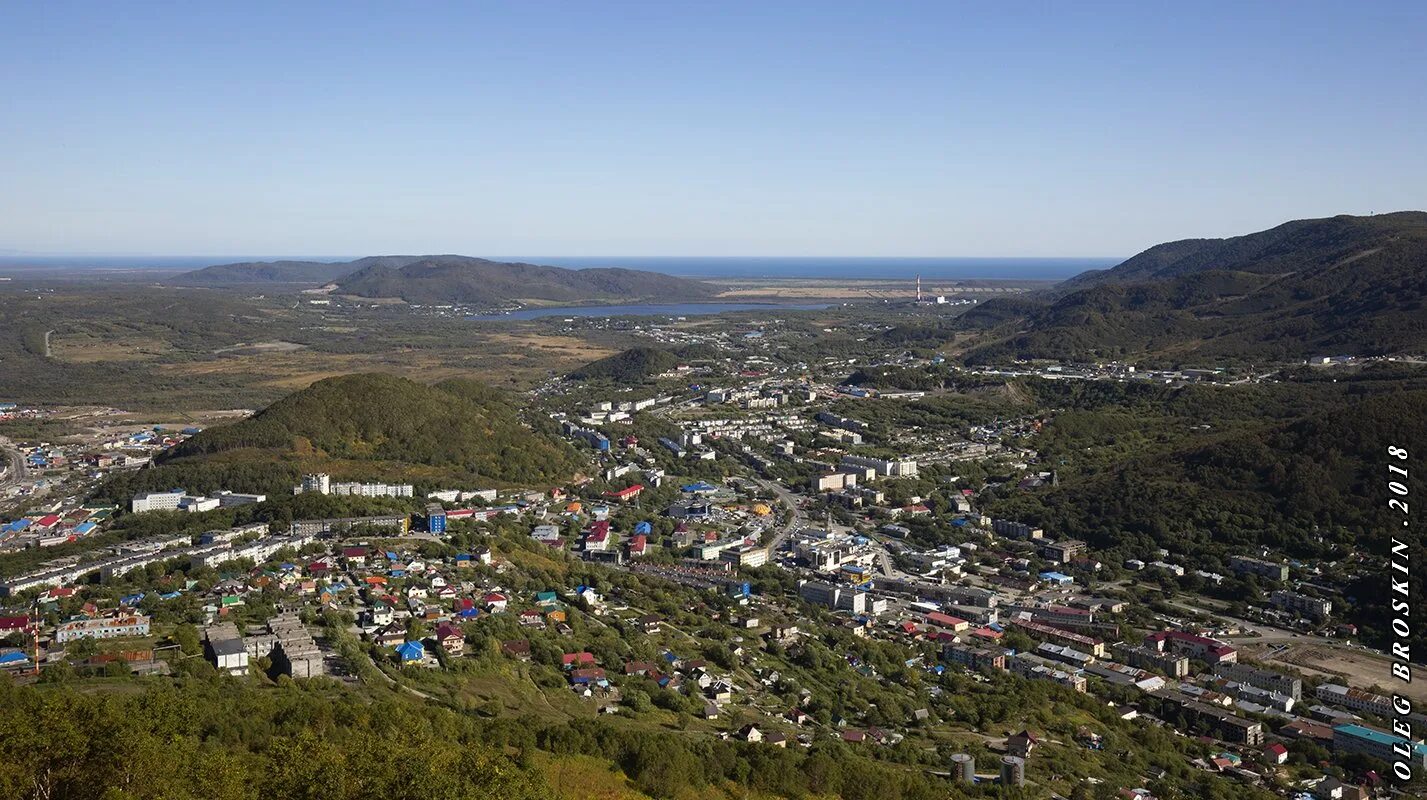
[(458, 425), (1343, 285), (461, 279), (453, 279), (629, 366), (1314, 487), (311, 273), (228, 740)]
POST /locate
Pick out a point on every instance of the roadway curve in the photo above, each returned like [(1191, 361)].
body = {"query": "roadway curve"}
[(14, 471)]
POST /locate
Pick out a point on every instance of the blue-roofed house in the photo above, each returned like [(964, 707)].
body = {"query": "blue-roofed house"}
[(643, 528), (411, 652), (84, 528)]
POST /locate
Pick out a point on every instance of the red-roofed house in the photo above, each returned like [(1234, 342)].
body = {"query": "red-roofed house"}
[(451, 639), (1277, 753), (581, 659), (12, 624), (626, 494)]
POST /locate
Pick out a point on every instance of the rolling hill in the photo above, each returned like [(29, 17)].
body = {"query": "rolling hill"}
[(478, 281), (311, 273), (457, 427), (628, 366), (1353, 285), (452, 279)]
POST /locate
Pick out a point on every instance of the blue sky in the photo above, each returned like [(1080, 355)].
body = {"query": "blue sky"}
[(653, 128)]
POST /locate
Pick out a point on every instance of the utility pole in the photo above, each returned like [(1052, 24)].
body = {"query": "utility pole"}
[(35, 632)]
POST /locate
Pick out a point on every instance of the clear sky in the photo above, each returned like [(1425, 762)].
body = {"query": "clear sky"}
[(699, 128)]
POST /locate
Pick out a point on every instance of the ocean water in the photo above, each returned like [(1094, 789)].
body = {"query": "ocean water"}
[(687, 266)]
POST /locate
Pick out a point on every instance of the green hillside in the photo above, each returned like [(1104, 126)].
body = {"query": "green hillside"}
[(462, 279), (632, 365), (1311, 487), (229, 741), (1344, 285), (458, 425)]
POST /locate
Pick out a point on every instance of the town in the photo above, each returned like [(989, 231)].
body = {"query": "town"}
[(736, 528)]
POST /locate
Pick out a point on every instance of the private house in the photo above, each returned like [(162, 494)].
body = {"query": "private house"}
[(411, 653), (1021, 744), (577, 660), (390, 636), (451, 639)]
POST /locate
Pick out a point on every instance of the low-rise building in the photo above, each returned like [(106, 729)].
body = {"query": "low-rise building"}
[(1377, 744), (1355, 699), (1312, 607), (1272, 570), (103, 628), (1265, 679)]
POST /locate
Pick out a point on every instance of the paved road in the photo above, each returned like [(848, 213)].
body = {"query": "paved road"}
[(791, 501), (15, 470)]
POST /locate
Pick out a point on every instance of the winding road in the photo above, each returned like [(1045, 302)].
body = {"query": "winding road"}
[(14, 471)]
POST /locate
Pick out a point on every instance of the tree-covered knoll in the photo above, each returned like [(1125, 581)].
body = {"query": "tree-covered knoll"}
[(228, 740), (638, 364), (459, 425)]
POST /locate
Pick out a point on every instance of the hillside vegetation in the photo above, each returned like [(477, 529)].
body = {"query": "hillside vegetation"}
[(1354, 285), (462, 279), (457, 424), (229, 741), (1314, 486), (628, 366), (297, 272)]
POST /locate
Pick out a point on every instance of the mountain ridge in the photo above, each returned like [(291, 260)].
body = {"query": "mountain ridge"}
[(463, 279), (452, 279), (1355, 285)]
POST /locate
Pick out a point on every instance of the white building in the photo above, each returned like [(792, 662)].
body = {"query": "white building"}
[(155, 501), (107, 628)]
